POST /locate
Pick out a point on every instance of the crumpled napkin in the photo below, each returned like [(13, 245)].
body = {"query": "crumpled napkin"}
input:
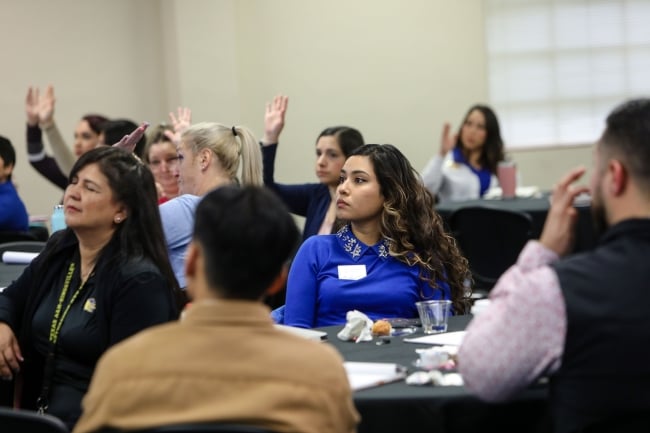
[(435, 378), (358, 327), (433, 357)]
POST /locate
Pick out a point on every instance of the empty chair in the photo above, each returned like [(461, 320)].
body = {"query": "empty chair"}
[(40, 233), (491, 240), (26, 421)]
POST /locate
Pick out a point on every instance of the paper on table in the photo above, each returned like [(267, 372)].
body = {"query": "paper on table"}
[(520, 191), (309, 334), (18, 257), (447, 338), (362, 375)]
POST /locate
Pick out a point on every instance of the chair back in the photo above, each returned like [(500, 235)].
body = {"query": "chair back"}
[(22, 246), (626, 422), (39, 232), (192, 428), (13, 236), (491, 240), (26, 421)]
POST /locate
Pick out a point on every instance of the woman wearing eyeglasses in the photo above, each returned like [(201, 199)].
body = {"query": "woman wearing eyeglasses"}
[(161, 157)]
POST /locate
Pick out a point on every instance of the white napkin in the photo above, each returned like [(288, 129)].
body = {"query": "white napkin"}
[(358, 327), (480, 305), (521, 191), (18, 257)]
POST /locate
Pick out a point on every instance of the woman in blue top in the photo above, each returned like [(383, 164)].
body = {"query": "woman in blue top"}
[(311, 200), (466, 165), (392, 252), (13, 214)]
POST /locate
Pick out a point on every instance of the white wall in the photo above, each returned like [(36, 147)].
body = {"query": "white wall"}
[(546, 166), (387, 68), (200, 53), (101, 56), (395, 70)]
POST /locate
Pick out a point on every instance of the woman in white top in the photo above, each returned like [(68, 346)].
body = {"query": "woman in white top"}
[(466, 165)]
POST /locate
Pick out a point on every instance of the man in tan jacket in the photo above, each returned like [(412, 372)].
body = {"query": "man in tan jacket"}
[(225, 361)]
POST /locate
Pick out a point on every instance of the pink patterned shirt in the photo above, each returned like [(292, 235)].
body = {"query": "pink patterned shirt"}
[(520, 336)]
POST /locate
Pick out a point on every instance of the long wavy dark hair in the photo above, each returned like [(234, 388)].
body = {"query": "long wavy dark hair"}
[(493, 147), (414, 229), (132, 183)]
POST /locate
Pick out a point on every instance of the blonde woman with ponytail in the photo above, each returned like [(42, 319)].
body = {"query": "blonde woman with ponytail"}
[(210, 155)]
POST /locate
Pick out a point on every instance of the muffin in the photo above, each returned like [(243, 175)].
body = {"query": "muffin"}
[(381, 327)]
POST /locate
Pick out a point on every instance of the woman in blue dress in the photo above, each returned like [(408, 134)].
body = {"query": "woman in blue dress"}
[(391, 251)]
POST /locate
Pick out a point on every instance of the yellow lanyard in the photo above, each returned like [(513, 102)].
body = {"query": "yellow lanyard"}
[(57, 320)]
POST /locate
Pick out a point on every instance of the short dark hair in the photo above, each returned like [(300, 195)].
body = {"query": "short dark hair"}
[(627, 137), (349, 139), (7, 153), (115, 130), (247, 235)]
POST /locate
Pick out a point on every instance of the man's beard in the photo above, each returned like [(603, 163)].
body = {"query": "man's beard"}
[(598, 214)]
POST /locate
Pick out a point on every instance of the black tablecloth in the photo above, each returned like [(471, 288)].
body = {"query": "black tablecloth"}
[(537, 208), (397, 407)]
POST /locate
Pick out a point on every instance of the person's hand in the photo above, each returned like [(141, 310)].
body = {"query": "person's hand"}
[(129, 141), (447, 140), (180, 122), (10, 354), (31, 106), (40, 109), (558, 234), (274, 119)]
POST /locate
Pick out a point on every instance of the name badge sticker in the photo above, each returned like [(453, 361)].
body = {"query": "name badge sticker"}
[(352, 272)]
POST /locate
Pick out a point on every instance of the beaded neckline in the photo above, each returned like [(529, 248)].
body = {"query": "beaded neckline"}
[(356, 248)]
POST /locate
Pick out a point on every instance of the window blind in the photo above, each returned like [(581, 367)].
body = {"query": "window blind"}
[(557, 67)]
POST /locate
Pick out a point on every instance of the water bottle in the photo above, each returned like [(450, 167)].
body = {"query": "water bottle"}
[(58, 218)]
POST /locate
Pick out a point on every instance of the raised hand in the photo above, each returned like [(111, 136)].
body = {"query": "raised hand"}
[(558, 233), (447, 141), (180, 122), (40, 109), (10, 354), (129, 141), (274, 119), (31, 106)]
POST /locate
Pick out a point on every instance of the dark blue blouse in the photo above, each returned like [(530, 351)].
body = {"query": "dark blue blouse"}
[(333, 274), (309, 200), (484, 175)]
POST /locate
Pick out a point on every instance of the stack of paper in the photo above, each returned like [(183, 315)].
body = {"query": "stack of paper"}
[(309, 334), (520, 191), (362, 375), (444, 339)]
